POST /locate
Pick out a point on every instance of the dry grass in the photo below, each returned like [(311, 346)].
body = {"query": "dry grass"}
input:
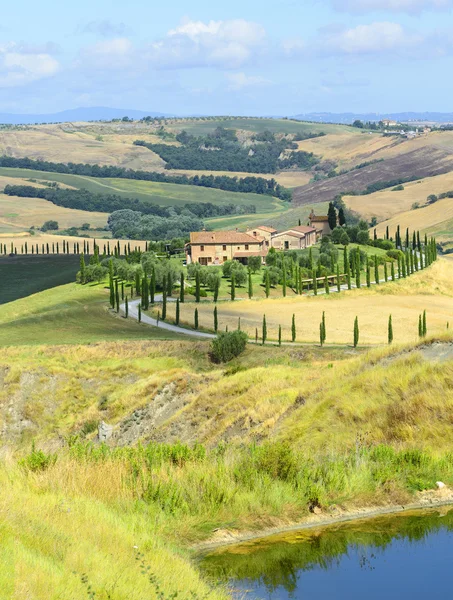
[(431, 290), (72, 144), (23, 213), (386, 204), (435, 219)]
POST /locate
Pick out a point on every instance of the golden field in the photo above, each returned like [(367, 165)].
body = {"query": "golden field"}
[(19, 239), (430, 290)]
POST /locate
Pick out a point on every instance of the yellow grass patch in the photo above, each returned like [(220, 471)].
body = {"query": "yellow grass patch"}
[(430, 290)]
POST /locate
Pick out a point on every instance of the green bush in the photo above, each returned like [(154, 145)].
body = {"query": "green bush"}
[(191, 291), (37, 460), (227, 346)]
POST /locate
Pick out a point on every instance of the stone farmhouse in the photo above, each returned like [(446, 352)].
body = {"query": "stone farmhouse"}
[(216, 247)]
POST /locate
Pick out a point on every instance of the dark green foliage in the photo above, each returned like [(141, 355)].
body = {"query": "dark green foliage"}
[(195, 318), (267, 283), (126, 308), (322, 330), (227, 346), (216, 320), (424, 329), (117, 296), (332, 216), (279, 335), (264, 330), (37, 460), (216, 289), (164, 298), (338, 278), (177, 316), (386, 274), (390, 330), (376, 270), (293, 328), (82, 269), (250, 285), (356, 332), (420, 326), (181, 288), (233, 286), (326, 284), (197, 286), (139, 313)]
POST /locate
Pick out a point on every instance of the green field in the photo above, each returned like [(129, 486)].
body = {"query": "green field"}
[(164, 194), (202, 127), (70, 314), (25, 275)]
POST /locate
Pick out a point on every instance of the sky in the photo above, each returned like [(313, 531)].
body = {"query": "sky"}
[(237, 57)]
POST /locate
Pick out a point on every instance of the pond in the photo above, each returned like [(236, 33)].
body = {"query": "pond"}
[(409, 555)]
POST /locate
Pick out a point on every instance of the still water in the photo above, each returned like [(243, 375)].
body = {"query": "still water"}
[(405, 556)]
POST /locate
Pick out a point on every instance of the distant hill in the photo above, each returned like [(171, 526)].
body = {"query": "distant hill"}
[(402, 117), (95, 113)]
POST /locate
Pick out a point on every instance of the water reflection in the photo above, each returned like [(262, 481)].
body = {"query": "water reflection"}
[(405, 556)]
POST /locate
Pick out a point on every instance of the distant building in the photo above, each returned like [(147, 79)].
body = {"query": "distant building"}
[(263, 231), (389, 123), (296, 238), (216, 247), (320, 224)]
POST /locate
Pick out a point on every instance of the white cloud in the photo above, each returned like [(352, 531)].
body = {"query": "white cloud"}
[(114, 54), (374, 38), (102, 27), (407, 6), (22, 66), (377, 38), (239, 81), (224, 44)]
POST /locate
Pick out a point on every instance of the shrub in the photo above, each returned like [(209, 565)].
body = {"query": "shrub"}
[(395, 254), (363, 237), (227, 346), (191, 291), (398, 188), (37, 460)]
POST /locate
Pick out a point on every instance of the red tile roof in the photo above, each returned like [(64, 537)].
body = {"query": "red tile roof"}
[(266, 228), (315, 218), (303, 229)]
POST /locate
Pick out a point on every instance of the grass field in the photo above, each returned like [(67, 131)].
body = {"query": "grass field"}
[(435, 219), (69, 314), (430, 290), (386, 204), (164, 194), (257, 125), (25, 275)]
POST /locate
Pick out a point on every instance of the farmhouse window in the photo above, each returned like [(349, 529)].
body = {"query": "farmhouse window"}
[(202, 248), (224, 247), (225, 258), (246, 246)]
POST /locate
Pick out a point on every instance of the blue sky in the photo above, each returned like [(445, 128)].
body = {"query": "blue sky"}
[(235, 57)]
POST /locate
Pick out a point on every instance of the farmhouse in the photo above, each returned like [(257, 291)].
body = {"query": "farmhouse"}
[(296, 238), (263, 231), (216, 247), (320, 224)]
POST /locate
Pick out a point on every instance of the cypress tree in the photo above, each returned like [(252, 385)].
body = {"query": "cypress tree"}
[(411, 261), (126, 308), (132, 290), (264, 329), (195, 318), (139, 313), (152, 290), (387, 232), (47, 249), (239, 323), (279, 335), (256, 335), (169, 285), (338, 278), (356, 332), (419, 245), (112, 291), (117, 296), (415, 254), (26, 248), (390, 330), (368, 275), (177, 312), (310, 260), (323, 327), (216, 290), (250, 290), (284, 281), (181, 288), (197, 286), (233, 286), (408, 263), (216, 321), (341, 217), (424, 323), (326, 284), (386, 273), (420, 326), (407, 238), (357, 270), (315, 285), (293, 328), (375, 234), (82, 269), (414, 241), (122, 290), (403, 267), (376, 270), (321, 335), (267, 284), (164, 298), (137, 282)]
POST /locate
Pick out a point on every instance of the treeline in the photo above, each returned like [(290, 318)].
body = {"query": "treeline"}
[(88, 201), (222, 151), (246, 185)]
